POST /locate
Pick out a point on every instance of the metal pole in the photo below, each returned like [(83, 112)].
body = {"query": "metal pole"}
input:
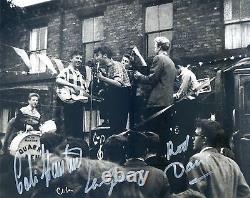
[(91, 107)]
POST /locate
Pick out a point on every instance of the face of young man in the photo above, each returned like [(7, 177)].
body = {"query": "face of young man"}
[(33, 101), (99, 57), (157, 49), (76, 60), (125, 62), (198, 139), (178, 69)]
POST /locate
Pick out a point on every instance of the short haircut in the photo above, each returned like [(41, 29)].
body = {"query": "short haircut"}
[(137, 145), (162, 42), (128, 56), (104, 50), (75, 53), (74, 143), (153, 141), (114, 150), (32, 95), (213, 132), (177, 66)]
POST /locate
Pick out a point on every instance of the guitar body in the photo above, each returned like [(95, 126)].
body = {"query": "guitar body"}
[(68, 95)]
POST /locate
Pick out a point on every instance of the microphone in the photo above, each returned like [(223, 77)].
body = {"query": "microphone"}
[(97, 71)]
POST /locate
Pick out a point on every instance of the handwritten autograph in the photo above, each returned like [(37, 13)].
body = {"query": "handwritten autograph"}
[(61, 191), (181, 148), (56, 168), (114, 176), (50, 169)]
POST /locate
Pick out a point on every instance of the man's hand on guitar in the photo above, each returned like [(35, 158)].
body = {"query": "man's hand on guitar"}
[(137, 75), (77, 89), (99, 75)]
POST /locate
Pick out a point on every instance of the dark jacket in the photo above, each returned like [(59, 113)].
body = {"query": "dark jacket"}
[(161, 78), (156, 184)]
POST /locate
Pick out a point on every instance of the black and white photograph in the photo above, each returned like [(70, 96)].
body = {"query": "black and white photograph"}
[(124, 98)]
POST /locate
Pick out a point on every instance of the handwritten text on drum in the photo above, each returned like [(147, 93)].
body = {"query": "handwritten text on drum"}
[(49, 170)]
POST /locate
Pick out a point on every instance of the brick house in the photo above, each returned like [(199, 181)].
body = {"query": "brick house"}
[(208, 34), (202, 32)]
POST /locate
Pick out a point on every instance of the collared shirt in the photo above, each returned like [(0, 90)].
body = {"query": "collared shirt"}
[(117, 71), (206, 148), (188, 82), (73, 76)]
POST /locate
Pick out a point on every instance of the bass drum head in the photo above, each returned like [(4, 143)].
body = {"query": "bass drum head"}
[(26, 143)]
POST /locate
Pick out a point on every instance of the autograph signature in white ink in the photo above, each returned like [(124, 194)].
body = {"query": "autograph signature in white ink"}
[(115, 176), (50, 169), (181, 148), (61, 191), (189, 167)]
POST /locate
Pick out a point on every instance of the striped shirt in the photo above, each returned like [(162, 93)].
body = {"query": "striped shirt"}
[(73, 76)]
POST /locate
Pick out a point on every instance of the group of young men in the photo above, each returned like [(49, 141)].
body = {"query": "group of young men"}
[(214, 175), (118, 86)]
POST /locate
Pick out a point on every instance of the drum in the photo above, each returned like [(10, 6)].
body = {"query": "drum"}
[(48, 127), (26, 143)]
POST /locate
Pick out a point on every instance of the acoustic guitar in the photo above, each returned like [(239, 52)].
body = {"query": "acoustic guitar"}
[(69, 95)]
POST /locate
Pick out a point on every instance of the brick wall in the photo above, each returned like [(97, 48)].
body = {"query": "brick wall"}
[(71, 34), (122, 21), (54, 35), (124, 26), (16, 36), (198, 28), (19, 36)]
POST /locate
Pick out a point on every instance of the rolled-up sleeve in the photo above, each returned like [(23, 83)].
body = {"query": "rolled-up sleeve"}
[(243, 190), (184, 84), (62, 74)]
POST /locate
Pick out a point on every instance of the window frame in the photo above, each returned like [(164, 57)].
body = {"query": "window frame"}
[(240, 22), (84, 44), (38, 67), (156, 31), (45, 39)]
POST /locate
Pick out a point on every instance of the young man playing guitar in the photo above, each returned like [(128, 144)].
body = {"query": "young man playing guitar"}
[(72, 91), (118, 89)]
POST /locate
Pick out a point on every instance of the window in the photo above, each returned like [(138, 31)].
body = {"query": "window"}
[(92, 35), (237, 23), (158, 22), (38, 45)]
